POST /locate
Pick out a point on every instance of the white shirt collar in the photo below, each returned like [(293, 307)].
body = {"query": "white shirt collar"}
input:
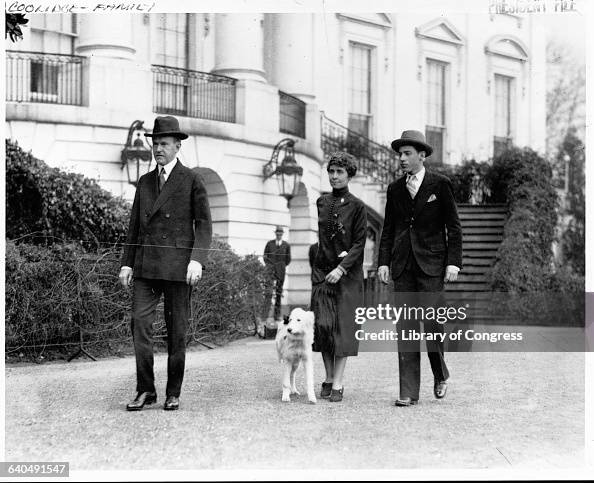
[(419, 176), (168, 168)]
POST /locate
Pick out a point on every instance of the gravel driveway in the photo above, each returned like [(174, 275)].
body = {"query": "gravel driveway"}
[(503, 410)]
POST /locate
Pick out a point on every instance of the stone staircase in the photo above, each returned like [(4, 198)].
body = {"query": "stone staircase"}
[(482, 233)]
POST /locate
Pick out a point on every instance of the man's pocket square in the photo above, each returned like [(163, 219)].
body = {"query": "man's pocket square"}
[(431, 198)]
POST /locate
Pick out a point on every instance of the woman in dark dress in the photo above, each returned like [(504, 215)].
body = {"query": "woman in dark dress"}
[(337, 274)]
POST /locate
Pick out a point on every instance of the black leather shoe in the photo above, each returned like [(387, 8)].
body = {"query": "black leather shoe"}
[(171, 403), (326, 390), (142, 399), (439, 389), (336, 395), (406, 401)]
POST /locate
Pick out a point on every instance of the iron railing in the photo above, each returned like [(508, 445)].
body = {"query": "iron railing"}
[(292, 115), (46, 78), (192, 93), (373, 159)]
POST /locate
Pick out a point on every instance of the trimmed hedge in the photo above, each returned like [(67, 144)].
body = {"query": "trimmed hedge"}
[(522, 179), (52, 291), (48, 205)]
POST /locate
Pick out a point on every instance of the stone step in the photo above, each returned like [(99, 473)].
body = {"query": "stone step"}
[(468, 287), (482, 223), (468, 268), (488, 248), (481, 216), (482, 230), (465, 277), (490, 206), (483, 238)]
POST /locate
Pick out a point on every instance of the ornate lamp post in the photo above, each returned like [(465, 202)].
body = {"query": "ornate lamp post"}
[(288, 173), (136, 154)]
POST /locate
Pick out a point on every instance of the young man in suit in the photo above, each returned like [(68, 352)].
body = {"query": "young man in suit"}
[(168, 239), (277, 255), (421, 244)]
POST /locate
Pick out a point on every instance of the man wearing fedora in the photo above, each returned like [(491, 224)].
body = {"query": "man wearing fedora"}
[(277, 255), (166, 248), (421, 244)]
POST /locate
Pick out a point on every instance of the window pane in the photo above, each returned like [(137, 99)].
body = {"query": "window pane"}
[(434, 137), (359, 81), (503, 105), (49, 33), (435, 93), (170, 45)]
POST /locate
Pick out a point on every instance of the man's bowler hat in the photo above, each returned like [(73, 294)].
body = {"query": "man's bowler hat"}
[(166, 126), (412, 138), (279, 229)]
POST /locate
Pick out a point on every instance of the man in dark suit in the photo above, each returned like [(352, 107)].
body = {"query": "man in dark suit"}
[(277, 255), (421, 244), (167, 244)]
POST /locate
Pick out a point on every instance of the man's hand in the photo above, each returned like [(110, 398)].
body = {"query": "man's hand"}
[(334, 276), (451, 274), (125, 276), (194, 272), (383, 273)]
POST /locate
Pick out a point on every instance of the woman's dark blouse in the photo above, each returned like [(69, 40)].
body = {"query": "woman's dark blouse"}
[(342, 225)]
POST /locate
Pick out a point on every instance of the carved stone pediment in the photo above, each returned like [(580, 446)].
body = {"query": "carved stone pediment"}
[(442, 30)]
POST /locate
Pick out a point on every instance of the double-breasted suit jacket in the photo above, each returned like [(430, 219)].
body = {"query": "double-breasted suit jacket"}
[(170, 228), (428, 226), (277, 257)]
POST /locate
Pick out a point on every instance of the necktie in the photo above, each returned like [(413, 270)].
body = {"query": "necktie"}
[(411, 185), (161, 179)]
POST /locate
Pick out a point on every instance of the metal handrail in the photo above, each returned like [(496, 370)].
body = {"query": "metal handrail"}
[(44, 78), (374, 160)]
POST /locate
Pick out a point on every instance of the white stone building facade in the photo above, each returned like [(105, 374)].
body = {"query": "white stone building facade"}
[(471, 82)]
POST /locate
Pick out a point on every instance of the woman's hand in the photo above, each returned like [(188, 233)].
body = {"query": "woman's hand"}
[(334, 276)]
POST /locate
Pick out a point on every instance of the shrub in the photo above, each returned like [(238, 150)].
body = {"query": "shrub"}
[(467, 180), (54, 206), (522, 179), (230, 295), (52, 291)]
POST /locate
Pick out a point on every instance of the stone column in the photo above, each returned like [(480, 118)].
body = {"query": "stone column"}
[(292, 65), (121, 87), (239, 46), (105, 35)]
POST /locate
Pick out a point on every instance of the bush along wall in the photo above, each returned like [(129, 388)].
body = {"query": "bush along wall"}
[(48, 205), (524, 267), (54, 292)]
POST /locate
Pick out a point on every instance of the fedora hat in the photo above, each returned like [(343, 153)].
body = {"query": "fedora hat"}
[(166, 126), (279, 229), (412, 138)]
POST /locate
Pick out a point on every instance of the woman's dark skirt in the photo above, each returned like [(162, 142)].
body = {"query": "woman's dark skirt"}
[(334, 308)]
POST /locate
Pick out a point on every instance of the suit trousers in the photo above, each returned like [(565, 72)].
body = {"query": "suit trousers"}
[(278, 294), (426, 291), (146, 296)]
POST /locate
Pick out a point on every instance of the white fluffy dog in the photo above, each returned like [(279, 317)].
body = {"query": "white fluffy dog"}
[(294, 338)]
